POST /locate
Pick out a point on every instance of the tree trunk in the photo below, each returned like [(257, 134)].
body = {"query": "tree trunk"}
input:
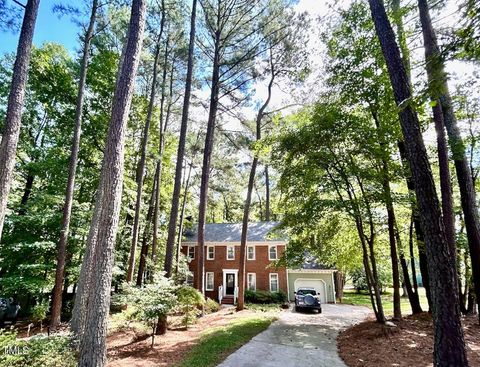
[(251, 182), (143, 157), (207, 154), (26, 194), (182, 216), (267, 195), (93, 340), (422, 257), (172, 224), (67, 206), (449, 349), (13, 119), (398, 19), (162, 129), (438, 82), (146, 233), (397, 311)]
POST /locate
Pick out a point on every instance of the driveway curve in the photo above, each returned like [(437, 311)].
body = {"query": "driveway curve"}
[(299, 339)]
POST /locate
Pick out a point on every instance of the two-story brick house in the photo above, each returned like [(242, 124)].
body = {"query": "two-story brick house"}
[(264, 247)]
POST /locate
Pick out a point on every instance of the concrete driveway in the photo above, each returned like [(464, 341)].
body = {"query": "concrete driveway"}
[(299, 339)]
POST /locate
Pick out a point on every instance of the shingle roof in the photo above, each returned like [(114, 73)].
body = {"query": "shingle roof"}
[(231, 232)]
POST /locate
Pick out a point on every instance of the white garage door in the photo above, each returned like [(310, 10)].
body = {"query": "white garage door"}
[(318, 284)]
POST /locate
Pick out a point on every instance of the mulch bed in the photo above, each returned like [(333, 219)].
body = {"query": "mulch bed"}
[(409, 344)]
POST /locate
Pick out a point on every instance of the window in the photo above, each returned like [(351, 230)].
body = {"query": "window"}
[(272, 253), (210, 253), (190, 279), (209, 282), (191, 252), (251, 281), (251, 252), (230, 252), (273, 282)]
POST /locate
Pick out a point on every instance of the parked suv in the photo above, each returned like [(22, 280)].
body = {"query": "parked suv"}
[(8, 311), (307, 298)]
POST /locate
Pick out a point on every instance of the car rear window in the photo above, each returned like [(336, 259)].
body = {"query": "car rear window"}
[(304, 292)]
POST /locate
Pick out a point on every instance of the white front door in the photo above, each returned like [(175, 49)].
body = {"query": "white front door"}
[(230, 281)]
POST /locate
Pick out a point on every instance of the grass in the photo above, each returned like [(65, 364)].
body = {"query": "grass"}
[(363, 299), (217, 343)]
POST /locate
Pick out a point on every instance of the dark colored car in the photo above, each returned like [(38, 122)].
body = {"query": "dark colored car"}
[(308, 299), (8, 311)]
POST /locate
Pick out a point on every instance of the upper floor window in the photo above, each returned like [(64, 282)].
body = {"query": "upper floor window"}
[(210, 253), (251, 252), (230, 252), (191, 252), (272, 253), (273, 282)]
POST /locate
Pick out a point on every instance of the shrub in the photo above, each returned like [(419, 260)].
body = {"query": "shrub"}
[(189, 299), (153, 302), (265, 297), (39, 351), (211, 306), (118, 303), (39, 312)]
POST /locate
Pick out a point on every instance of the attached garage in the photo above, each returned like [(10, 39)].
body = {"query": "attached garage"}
[(319, 279)]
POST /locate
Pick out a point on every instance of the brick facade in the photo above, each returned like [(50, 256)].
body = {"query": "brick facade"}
[(261, 266)]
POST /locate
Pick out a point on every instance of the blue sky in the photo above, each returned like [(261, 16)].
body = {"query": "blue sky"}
[(49, 27)]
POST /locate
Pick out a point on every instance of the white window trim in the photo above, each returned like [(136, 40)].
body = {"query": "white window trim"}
[(253, 253), (233, 247), (254, 281), (208, 253), (276, 252), (270, 282), (188, 252), (206, 281)]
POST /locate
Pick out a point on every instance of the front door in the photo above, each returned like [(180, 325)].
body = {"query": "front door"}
[(230, 287)]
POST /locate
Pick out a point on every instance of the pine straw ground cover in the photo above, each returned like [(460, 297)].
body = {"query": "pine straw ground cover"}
[(410, 344), (205, 343)]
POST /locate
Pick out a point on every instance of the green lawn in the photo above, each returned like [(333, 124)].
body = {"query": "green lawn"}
[(217, 343), (363, 299)]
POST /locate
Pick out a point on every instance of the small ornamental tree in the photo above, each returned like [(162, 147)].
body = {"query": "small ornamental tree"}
[(153, 302), (189, 300)]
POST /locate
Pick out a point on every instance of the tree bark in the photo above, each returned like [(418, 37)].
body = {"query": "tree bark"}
[(449, 349), (172, 224), (67, 207), (13, 119), (438, 84), (93, 340), (143, 156)]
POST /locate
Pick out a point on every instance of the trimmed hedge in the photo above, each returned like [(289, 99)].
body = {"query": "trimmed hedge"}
[(265, 297)]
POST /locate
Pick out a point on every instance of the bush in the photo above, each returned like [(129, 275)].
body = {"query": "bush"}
[(153, 302), (211, 306), (39, 351), (265, 297), (189, 300), (118, 303), (39, 312)]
